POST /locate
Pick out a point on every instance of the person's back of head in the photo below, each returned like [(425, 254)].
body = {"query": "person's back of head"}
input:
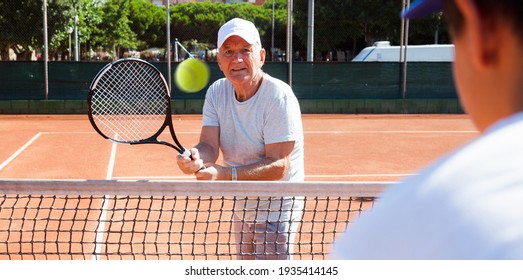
[(488, 42), (509, 10)]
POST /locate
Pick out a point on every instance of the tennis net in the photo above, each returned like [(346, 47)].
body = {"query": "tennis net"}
[(89, 219)]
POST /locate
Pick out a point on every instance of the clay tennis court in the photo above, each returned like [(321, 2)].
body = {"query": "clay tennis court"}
[(346, 148), (337, 147)]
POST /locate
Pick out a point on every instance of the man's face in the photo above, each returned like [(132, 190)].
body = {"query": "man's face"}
[(240, 61)]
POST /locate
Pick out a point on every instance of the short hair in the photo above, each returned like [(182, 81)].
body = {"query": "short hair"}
[(509, 10)]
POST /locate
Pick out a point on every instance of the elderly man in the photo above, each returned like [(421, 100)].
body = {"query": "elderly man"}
[(255, 120)]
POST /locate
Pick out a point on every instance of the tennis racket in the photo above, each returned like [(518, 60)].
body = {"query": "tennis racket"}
[(129, 103)]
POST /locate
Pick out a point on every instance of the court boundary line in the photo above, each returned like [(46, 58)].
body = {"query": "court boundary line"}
[(314, 132), (19, 151), (112, 162), (306, 176), (391, 131), (105, 205), (359, 175)]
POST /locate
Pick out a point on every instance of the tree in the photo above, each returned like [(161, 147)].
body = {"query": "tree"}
[(148, 22), (21, 23), (280, 22), (118, 25), (198, 21), (89, 16), (114, 32), (201, 21), (335, 21), (340, 21), (429, 30)]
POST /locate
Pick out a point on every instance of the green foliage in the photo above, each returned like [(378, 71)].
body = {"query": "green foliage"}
[(121, 25), (18, 29), (202, 21), (371, 20), (359, 20), (115, 31), (89, 16), (427, 30), (148, 22)]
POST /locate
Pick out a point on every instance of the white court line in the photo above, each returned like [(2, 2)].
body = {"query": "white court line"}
[(103, 216), (94, 132), (306, 176), (313, 132), (17, 153), (392, 132), (187, 177), (112, 160), (358, 175)]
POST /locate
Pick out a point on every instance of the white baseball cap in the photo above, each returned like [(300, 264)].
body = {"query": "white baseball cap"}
[(239, 27)]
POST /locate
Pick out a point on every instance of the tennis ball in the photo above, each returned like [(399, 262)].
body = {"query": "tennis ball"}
[(191, 75)]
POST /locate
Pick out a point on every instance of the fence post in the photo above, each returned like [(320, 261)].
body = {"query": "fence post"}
[(46, 53), (289, 41), (168, 46)]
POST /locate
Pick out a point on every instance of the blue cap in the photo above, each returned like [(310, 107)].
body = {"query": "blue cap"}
[(421, 8)]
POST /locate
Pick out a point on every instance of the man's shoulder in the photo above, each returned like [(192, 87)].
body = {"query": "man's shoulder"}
[(276, 88), (488, 164)]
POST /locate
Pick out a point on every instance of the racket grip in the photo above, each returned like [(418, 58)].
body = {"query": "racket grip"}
[(186, 153)]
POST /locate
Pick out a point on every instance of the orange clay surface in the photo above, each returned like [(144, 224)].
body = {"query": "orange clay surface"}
[(337, 147)]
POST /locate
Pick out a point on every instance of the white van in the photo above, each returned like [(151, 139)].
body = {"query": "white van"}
[(382, 51)]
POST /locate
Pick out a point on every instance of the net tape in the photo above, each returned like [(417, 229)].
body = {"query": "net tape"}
[(81, 219)]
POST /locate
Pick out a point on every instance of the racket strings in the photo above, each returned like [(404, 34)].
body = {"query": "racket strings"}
[(130, 102)]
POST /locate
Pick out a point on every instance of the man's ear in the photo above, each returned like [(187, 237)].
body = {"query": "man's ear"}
[(480, 34), (263, 54), (218, 60)]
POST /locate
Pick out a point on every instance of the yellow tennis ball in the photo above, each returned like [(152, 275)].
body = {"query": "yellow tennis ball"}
[(191, 75)]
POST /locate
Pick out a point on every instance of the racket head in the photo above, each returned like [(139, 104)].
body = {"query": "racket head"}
[(129, 103)]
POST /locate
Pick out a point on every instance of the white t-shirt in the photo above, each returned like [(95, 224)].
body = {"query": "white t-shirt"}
[(272, 115), (468, 205)]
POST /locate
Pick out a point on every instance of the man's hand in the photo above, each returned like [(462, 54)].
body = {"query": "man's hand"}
[(190, 165)]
